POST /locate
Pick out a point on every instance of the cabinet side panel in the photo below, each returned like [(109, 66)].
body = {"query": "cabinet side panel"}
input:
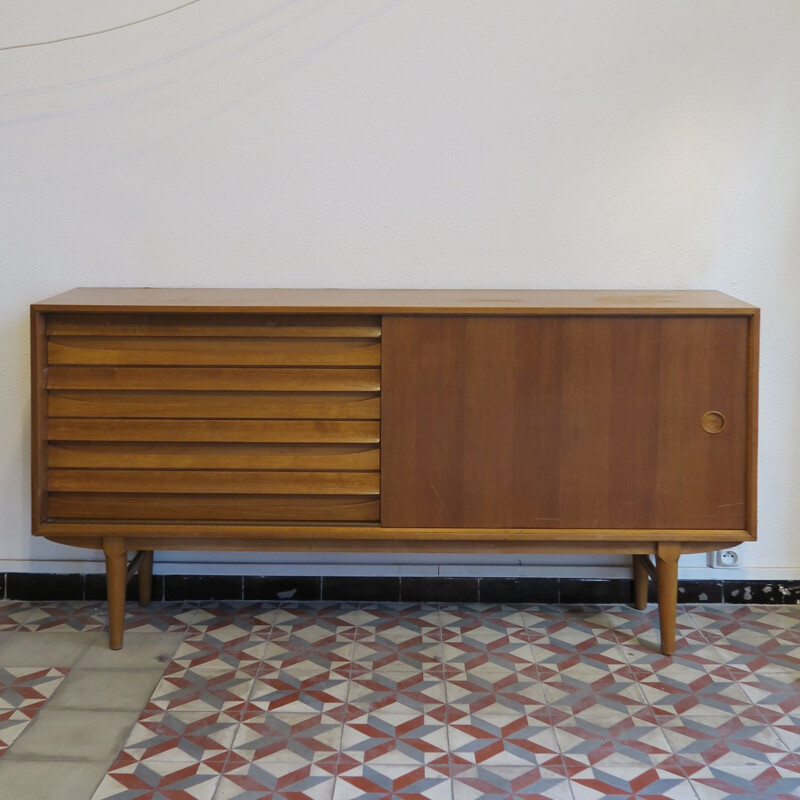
[(752, 423), (38, 420)]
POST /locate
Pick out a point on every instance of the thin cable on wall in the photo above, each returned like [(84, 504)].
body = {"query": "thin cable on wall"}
[(104, 30)]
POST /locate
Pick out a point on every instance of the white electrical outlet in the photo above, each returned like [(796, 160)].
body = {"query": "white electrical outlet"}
[(724, 559)]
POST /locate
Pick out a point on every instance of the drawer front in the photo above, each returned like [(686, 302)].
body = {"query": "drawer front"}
[(213, 417), (566, 422)]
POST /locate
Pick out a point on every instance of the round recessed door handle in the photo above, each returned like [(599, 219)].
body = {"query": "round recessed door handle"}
[(713, 421)]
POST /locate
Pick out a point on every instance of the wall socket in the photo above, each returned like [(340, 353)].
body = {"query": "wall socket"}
[(724, 559)]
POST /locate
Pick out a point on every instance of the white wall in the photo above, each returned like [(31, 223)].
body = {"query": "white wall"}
[(408, 143)]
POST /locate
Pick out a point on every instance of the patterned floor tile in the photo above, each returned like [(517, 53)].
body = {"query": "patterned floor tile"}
[(394, 782), (604, 661), (697, 655), (12, 723), (325, 617), (402, 633), (630, 783), (159, 780), (682, 691), (724, 620), (386, 618), (226, 647), (685, 672), (573, 695), (243, 614), (645, 647), (181, 736), (502, 740), (160, 617), (747, 783), (299, 691), (473, 649), (202, 690), (490, 671), (311, 646), (779, 691), (627, 621), (28, 688), (378, 652), (383, 738), (598, 620), (66, 615), (321, 700), (13, 613), (302, 669), (728, 740), (477, 618), (577, 647), (498, 692), (572, 635), (786, 728), (289, 738), (600, 738), (758, 654), (397, 692), (275, 781), (486, 633), (511, 783)]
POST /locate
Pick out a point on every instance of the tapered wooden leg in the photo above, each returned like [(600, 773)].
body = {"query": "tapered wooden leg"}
[(667, 583), (146, 578), (640, 582), (116, 574)]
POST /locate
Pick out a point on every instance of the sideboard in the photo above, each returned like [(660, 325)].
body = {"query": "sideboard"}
[(400, 420)]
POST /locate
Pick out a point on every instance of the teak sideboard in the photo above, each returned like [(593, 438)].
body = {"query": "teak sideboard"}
[(397, 420)]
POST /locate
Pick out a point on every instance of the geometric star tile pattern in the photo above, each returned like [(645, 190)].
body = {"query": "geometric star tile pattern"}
[(402, 701)]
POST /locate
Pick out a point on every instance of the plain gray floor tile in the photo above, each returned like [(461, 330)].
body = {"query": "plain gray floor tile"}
[(65, 734), (140, 651), (25, 649), (51, 780), (106, 689)]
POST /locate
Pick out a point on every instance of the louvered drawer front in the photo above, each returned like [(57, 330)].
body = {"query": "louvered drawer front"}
[(221, 418)]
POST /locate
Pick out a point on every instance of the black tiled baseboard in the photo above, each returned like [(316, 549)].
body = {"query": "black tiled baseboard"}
[(363, 589), (49, 586)]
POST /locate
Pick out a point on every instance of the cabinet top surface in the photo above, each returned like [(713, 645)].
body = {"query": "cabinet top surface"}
[(394, 301)]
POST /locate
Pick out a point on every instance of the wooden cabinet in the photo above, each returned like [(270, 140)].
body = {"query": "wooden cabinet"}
[(395, 420)]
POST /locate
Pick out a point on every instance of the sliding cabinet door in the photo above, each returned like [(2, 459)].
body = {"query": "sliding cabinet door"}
[(564, 422)]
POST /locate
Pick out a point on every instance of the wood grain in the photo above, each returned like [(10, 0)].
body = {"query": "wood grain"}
[(157, 430), (580, 422), (751, 465), (211, 455), (213, 481), (211, 351), (39, 413), (392, 301), (215, 405), (159, 416), (219, 325), (214, 508), (434, 540), (217, 379), (116, 569)]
